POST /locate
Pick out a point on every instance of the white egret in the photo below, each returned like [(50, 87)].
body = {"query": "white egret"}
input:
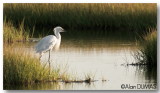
[(49, 42)]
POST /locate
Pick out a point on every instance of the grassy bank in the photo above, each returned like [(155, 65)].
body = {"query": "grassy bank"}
[(21, 67), (148, 51), (83, 16), (12, 33)]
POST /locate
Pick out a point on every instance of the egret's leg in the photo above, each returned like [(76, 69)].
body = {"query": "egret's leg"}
[(40, 57), (49, 55), (49, 61)]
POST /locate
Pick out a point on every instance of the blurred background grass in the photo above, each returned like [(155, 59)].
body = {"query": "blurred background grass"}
[(95, 16)]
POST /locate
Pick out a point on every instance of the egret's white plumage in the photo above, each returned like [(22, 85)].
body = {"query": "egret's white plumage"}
[(49, 42), (46, 44)]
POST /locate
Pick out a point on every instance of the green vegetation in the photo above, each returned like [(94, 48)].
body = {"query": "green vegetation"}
[(12, 34), (83, 16), (23, 68), (148, 51), (150, 48)]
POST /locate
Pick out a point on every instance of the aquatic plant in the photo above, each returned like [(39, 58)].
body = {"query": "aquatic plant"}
[(148, 51)]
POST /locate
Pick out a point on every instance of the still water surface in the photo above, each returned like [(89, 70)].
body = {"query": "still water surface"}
[(98, 57)]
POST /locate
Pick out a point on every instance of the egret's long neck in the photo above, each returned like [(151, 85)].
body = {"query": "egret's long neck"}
[(57, 34)]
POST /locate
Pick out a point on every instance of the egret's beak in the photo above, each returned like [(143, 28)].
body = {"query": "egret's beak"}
[(63, 31)]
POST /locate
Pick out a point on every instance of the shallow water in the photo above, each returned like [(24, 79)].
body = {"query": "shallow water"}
[(99, 57)]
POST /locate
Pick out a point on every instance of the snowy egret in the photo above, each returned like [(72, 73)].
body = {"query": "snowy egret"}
[(49, 42)]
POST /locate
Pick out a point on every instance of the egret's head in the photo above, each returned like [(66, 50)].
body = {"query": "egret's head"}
[(58, 29)]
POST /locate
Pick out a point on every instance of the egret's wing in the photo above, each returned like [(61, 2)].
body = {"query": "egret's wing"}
[(46, 44)]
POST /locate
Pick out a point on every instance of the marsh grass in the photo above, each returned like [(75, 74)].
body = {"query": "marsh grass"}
[(148, 51), (22, 67), (13, 34), (131, 16)]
